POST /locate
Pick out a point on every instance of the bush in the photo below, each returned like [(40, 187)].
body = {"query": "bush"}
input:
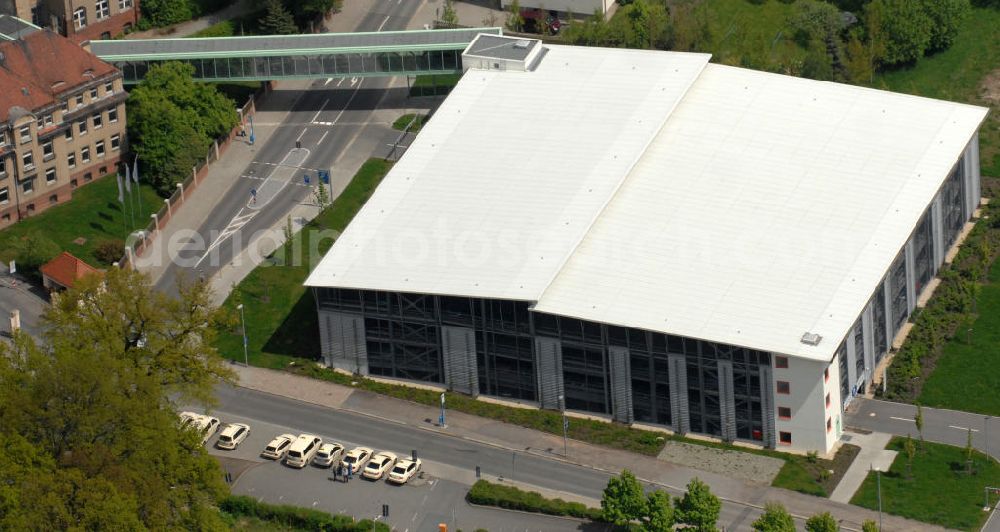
[(34, 250), (109, 251), (294, 517), (490, 494)]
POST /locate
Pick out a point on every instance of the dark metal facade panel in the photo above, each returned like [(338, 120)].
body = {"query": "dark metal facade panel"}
[(550, 372), (680, 412), (621, 385), (342, 341), (727, 401), (459, 350), (767, 404)]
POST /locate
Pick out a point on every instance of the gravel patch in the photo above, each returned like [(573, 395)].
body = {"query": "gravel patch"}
[(744, 466)]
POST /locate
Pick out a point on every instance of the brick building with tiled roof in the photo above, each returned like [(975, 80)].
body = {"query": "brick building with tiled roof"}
[(62, 122), (64, 271), (78, 20)]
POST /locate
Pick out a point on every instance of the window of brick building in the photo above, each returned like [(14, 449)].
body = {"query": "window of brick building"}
[(3, 137), (53, 199), (47, 152), (25, 134), (93, 94), (124, 4), (50, 176), (99, 148), (102, 9), (28, 185), (785, 438), (4, 195), (28, 161), (71, 159), (116, 141), (98, 121), (83, 126), (69, 132), (113, 115), (80, 18), (79, 100), (85, 154), (3, 167), (109, 88)]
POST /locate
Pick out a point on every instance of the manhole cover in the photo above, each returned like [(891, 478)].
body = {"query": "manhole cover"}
[(80, 241)]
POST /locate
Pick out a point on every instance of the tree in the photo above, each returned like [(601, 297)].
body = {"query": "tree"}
[(699, 507), (623, 500), (774, 519), (172, 121), (158, 13), (33, 250), (814, 20), (906, 27), (448, 15), (869, 526), (87, 419), (659, 512), (276, 19), (945, 16), (910, 450), (823, 522), (918, 420), (515, 21)]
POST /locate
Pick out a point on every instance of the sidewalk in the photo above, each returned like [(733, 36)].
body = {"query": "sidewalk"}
[(873, 455), (672, 477)]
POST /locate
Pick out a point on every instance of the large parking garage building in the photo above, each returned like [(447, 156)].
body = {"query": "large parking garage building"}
[(649, 237)]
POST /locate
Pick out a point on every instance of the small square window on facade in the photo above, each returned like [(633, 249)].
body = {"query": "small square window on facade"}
[(25, 134), (28, 161), (99, 148), (71, 159), (828, 400), (113, 115), (829, 424), (4, 196), (784, 388), (98, 121), (109, 88), (50, 176), (79, 100), (116, 142), (85, 154), (826, 374), (93, 94), (785, 438), (781, 362), (83, 126), (784, 412)]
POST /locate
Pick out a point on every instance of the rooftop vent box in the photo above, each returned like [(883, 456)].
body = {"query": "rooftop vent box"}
[(522, 44), (811, 338)]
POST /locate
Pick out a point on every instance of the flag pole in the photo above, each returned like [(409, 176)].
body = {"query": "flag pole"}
[(121, 200)]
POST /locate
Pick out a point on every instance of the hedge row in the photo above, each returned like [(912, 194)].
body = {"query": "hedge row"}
[(608, 434), (295, 517), (951, 307), (490, 494)]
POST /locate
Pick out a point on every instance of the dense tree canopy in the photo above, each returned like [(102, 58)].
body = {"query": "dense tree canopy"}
[(277, 20), (89, 431), (774, 519), (699, 508), (159, 13), (172, 121)]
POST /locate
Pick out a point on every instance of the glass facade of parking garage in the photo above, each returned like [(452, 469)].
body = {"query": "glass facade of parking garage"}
[(626, 374)]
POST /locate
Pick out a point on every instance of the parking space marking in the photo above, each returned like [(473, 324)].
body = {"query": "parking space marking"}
[(962, 428), (908, 420), (315, 116)]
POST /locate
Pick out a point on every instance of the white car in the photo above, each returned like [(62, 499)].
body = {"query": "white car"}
[(379, 465), (328, 454), (356, 458), (303, 450), (278, 446), (404, 470), (187, 418), (207, 427), (232, 435)]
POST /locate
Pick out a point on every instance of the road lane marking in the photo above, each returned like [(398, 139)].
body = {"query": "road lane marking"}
[(348, 104), (315, 116), (382, 25), (327, 82), (341, 82), (300, 134), (321, 138), (962, 428), (901, 419)]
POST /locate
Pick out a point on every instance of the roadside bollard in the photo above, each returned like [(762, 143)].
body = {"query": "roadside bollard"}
[(479, 472)]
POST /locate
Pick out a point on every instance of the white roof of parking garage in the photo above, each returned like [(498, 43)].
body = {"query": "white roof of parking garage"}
[(648, 189)]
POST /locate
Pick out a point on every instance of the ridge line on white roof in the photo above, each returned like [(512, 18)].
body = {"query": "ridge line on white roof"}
[(621, 181)]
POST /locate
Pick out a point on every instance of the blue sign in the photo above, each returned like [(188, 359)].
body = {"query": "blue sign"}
[(324, 176), (305, 178), (253, 192)]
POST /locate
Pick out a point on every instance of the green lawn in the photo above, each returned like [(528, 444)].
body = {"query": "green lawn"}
[(401, 122), (93, 214), (956, 74), (280, 312), (940, 491), (434, 85), (965, 377), (751, 35)]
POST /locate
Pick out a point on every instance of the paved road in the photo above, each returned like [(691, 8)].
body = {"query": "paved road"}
[(447, 458), (16, 293), (324, 120), (944, 426)]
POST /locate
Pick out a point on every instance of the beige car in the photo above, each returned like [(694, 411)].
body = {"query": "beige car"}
[(404, 470), (207, 427), (232, 436), (278, 447), (379, 465), (328, 454), (356, 458), (302, 450)]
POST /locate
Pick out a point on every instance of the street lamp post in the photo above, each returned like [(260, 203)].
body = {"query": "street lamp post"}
[(565, 424), (878, 483), (441, 418), (243, 324)]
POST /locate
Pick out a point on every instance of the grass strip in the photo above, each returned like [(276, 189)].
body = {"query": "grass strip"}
[(937, 489), (489, 494)]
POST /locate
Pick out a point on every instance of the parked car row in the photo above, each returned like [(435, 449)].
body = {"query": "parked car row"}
[(299, 451)]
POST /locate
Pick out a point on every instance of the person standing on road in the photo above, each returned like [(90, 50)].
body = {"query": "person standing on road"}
[(350, 471), (336, 470)]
